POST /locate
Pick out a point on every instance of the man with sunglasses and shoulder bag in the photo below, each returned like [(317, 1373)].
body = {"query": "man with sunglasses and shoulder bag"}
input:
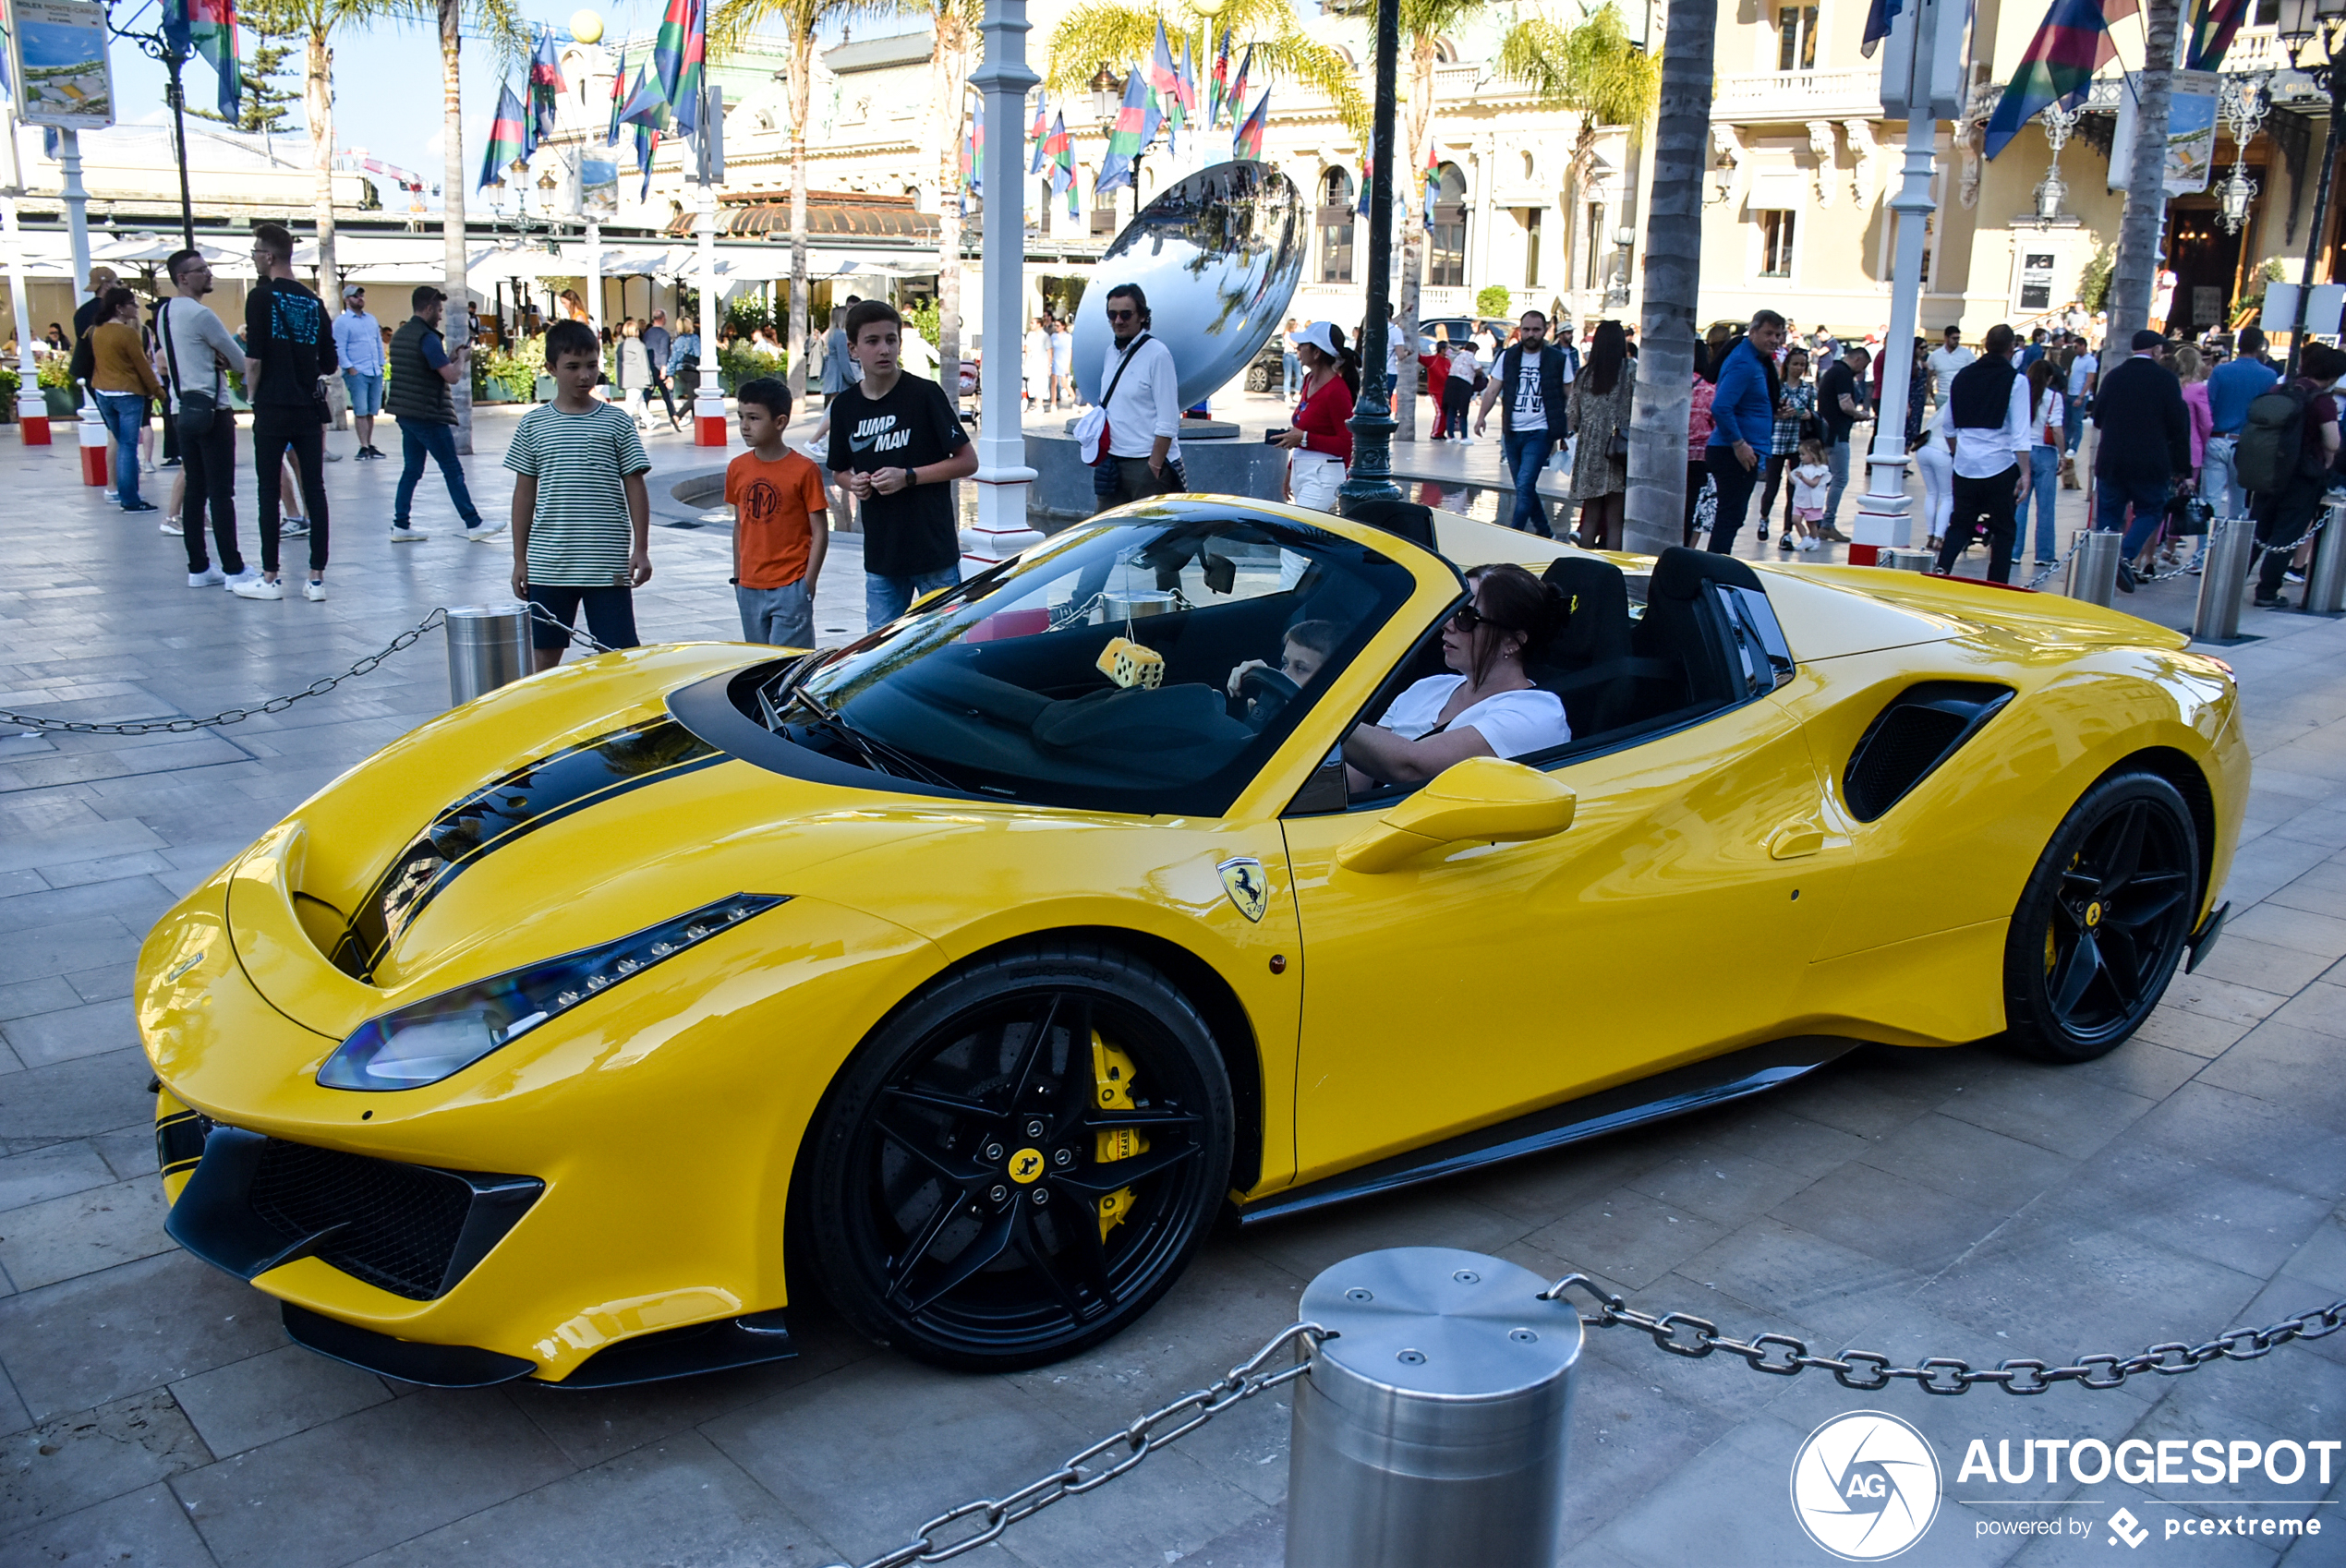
[(1132, 439), (198, 352)]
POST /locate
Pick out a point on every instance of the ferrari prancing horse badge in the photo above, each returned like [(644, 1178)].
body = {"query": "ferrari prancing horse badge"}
[(1242, 878)]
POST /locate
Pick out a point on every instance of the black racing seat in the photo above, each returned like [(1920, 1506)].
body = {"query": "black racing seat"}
[(1591, 664), (1695, 661), (1406, 518)]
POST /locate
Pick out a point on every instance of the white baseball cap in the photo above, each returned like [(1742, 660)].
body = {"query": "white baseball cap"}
[(1322, 336)]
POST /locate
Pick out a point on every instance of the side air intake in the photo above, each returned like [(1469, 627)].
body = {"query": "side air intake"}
[(1920, 729)]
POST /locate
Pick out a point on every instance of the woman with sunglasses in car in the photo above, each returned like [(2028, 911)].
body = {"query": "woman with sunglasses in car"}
[(1487, 707)]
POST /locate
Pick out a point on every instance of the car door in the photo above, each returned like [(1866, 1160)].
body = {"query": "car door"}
[(1672, 920)]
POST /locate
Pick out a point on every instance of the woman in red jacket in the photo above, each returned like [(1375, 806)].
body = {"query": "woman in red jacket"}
[(1320, 444)]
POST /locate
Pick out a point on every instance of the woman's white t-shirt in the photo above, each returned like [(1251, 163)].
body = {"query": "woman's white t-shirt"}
[(1512, 724)]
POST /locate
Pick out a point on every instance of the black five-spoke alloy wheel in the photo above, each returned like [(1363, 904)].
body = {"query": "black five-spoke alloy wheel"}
[(2102, 921), (1020, 1161)]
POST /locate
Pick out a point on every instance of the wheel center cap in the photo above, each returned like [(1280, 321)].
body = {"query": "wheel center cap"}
[(2093, 915), (1025, 1165)]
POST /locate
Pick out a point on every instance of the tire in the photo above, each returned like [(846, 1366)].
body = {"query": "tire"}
[(952, 1160), (1258, 378), (2102, 921)]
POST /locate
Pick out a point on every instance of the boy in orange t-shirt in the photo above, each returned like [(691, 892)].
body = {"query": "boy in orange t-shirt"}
[(779, 529)]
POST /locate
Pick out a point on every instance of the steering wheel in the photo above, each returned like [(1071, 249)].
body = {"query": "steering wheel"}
[(1271, 693)]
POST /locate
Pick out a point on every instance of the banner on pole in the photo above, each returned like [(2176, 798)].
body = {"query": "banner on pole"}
[(57, 65), (2191, 132)]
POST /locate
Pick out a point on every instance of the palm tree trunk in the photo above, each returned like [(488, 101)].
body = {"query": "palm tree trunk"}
[(455, 324), (801, 94), (1656, 508), (2136, 270), (321, 115), (1411, 193), (950, 80)]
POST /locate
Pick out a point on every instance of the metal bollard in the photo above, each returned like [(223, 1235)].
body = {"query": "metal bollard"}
[(487, 648), (2232, 545), (1923, 560), (2326, 579), (1430, 1427), (2093, 568)]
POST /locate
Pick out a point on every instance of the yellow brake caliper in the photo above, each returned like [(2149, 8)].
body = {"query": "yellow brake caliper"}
[(1112, 1078)]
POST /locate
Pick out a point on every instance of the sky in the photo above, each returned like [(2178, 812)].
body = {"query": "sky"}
[(387, 86)]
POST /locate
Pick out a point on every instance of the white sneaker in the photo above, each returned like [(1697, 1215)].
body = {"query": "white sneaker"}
[(400, 535), (210, 577), (490, 527), (257, 588), (294, 528), (171, 525), (314, 590), (246, 576), (1806, 543)]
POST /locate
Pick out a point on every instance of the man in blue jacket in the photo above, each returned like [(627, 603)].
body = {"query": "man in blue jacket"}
[(1742, 424)]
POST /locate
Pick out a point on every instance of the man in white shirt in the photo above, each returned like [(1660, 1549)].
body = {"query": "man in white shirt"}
[(2085, 374), (1988, 421), (1946, 360), (1142, 396), (1533, 378), (201, 354), (358, 343)]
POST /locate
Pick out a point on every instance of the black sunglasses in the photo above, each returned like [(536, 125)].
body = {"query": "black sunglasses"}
[(1466, 618), (1122, 315)]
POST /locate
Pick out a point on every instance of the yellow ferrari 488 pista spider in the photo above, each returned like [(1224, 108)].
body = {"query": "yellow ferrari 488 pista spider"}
[(969, 972)]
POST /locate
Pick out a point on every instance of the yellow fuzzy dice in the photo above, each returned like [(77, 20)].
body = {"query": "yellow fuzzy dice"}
[(1129, 664)]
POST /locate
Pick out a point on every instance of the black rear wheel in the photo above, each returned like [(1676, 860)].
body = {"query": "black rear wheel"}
[(1020, 1161), (2102, 921)]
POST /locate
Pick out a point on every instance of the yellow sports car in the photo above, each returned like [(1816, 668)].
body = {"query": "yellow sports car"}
[(968, 973)]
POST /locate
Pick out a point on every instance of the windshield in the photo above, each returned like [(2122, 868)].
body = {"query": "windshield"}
[(1146, 665)]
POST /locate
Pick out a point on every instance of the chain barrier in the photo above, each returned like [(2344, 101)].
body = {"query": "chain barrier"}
[(317, 687), (1682, 1333), (1078, 1474)]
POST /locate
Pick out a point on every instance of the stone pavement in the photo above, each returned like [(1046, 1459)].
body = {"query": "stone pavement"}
[(1921, 1203)]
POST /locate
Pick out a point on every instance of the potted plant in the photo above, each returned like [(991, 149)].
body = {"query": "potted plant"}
[(56, 380)]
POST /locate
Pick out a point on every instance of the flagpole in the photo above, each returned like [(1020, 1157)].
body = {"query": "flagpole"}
[(156, 45), (1372, 423), (1003, 479)]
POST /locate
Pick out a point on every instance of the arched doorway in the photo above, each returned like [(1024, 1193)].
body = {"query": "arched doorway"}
[(1337, 211), (1446, 232)]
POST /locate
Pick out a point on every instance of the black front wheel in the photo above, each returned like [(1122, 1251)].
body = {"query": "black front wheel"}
[(2102, 921), (1020, 1161)]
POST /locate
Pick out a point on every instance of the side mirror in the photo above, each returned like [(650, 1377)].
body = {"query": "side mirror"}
[(1480, 800)]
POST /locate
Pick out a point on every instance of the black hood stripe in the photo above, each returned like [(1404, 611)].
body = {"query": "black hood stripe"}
[(530, 798)]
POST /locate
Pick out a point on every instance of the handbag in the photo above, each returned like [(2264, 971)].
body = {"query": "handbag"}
[(1090, 431), (197, 409), (2188, 516)]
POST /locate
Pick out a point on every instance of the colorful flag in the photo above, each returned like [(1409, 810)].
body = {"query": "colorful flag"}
[(1058, 156), (2073, 42), (1879, 16), (1368, 169), (546, 85), (618, 99), (1432, 178), (1218, 98), (1127, 137), (677, 52), (209, 28), (644, 106), (972, 151), (2211, 32), (647, 144), (1041, 134), (1185, 90), (506, 134), (1164, 89), (1237, 98), (1248, 142)]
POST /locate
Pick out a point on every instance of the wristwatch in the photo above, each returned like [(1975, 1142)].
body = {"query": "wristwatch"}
[(911, 475)]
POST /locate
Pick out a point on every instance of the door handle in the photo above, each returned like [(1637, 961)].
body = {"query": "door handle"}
[(1796, 840)]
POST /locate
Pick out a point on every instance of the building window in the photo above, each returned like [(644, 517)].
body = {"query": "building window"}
[(1592, 269), (1776, 244), (2267, 14), (1446, 235), (1796, 38), (1337, 210), (1531, 217)]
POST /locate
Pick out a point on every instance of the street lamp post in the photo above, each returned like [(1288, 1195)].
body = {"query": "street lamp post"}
[(2301, 22), (157, 46), (1372, 423)]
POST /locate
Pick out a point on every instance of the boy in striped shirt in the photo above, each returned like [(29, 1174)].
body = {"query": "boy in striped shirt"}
[(582, 518)]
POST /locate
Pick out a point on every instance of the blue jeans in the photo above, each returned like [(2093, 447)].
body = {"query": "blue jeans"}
[(1290, 373), (885, 598), (1527, 453), (2220, 479), (439, 442), (366, 390), (2110, 500), (1837, 460), (124, 413), (2073, 422), (2044, 486)]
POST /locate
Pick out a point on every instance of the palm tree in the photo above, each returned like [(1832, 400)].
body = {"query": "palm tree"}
[(1656, 510), (2131, 281), (1594, 67), (956, 53), (1104, 33), (501, 21), (802, 21)]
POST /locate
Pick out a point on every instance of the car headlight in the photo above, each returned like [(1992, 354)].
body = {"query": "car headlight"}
[(428, 1040)]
